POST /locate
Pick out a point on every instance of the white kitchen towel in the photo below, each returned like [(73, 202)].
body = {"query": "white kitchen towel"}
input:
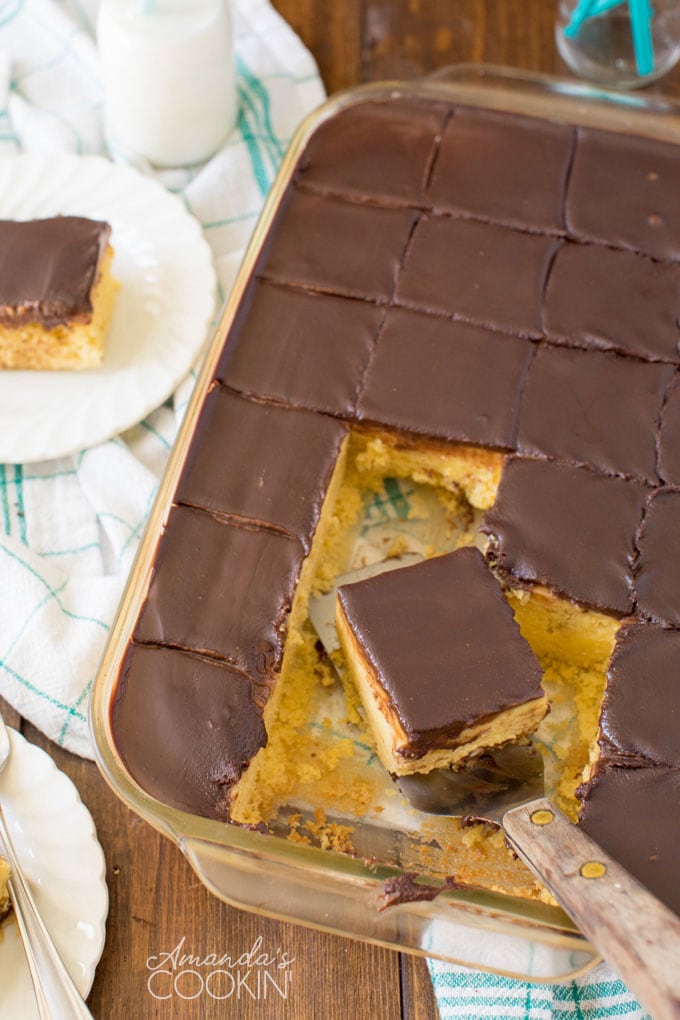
[(464, 994), (69, 528)]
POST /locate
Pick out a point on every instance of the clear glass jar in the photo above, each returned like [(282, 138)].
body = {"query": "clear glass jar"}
[(170, 85), (601, 48)]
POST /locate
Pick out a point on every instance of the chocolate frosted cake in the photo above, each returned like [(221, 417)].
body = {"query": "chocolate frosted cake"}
[(439, 663), (486, 307), (56, 292)]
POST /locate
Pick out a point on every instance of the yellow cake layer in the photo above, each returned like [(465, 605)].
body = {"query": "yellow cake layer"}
[(574, 646), (4, 892), (451, 466), (74, 345)]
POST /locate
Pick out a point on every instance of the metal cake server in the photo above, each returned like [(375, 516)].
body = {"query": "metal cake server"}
[(634, 932), (56, 994)]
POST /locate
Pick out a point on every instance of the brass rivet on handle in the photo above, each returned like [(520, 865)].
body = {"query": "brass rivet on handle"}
[(593, 869), (542, 817)]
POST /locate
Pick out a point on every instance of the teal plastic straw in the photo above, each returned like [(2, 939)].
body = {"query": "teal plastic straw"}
[(641, 25), (641, 21), (589, 9), (581, 13), (602, 6)]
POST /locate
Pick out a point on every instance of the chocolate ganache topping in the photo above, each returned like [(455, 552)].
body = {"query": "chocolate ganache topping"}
[(48, 269)]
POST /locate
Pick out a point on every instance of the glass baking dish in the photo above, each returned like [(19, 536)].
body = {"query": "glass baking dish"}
[(267, 873)]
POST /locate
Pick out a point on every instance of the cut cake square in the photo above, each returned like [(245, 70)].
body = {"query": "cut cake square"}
[(657, 574), (477, 272), (437, 658), (612, 299), (568, 528), (56, 292), (640, 716), (507, 169), (576, 407), (643, 211), (441, 386)]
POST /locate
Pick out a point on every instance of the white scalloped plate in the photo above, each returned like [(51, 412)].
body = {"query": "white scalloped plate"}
[(162, 312), (56, 842)]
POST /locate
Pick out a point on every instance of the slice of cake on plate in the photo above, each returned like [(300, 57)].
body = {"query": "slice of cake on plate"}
[(56, 292)]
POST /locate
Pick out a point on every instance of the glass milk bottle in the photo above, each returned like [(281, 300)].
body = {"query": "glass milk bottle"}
[(620, 43), (170, 85)]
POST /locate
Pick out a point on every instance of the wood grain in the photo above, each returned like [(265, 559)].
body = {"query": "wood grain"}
[(333, 32), (156, 900), (417, 995), (372, 40)]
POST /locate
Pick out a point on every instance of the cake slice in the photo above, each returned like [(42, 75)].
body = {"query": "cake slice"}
[(639, 714), (56, 292), (437, 658)]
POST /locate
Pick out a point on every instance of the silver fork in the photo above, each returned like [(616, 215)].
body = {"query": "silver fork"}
[(55, 992)]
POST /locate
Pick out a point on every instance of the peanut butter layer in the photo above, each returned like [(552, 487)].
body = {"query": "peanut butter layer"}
[(342, 156), (640, 717), (642, 211), (505, 168), (576, 406), (300, 347), (445, 662), (186, 727), (633, 814), (294, 450), (431, 376), (478, 272), (48, 269), (568, 528), (613, 300)]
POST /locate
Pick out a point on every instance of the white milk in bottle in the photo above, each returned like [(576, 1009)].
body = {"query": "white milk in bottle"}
[(169, 78)]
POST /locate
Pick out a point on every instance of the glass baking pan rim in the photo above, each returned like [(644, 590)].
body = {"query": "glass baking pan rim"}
[(220, 851)]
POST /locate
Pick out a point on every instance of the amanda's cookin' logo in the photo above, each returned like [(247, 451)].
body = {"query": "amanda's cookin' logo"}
[(255, 974)]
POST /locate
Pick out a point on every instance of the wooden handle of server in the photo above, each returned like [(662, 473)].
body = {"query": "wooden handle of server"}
[(635, 933)]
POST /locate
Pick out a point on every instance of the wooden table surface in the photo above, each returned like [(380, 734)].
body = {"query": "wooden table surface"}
[(155, 899)]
